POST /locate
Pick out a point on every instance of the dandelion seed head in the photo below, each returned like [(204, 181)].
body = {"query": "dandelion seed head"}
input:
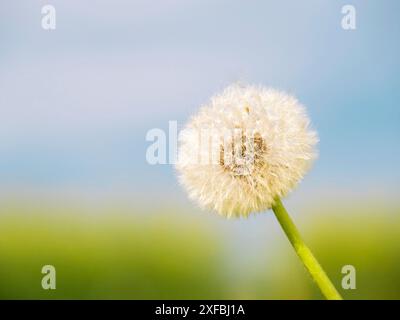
[(246, 147)]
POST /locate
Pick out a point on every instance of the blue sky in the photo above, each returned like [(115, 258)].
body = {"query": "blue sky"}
[(76, 102)]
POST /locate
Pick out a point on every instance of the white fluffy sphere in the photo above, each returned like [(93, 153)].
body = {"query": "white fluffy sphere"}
[(246, 147)]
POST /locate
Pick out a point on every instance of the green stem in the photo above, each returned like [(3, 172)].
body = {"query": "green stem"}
[(304, 253)]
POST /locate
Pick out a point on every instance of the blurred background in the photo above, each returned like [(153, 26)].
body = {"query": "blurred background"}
[(77, 192)]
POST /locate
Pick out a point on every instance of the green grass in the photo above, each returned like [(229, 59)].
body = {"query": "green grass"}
[(129, 253)]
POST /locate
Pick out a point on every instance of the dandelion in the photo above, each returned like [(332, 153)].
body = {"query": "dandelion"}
[(244, 151)]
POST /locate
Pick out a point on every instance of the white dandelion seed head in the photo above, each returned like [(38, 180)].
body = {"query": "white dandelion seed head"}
[(246, 147)]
